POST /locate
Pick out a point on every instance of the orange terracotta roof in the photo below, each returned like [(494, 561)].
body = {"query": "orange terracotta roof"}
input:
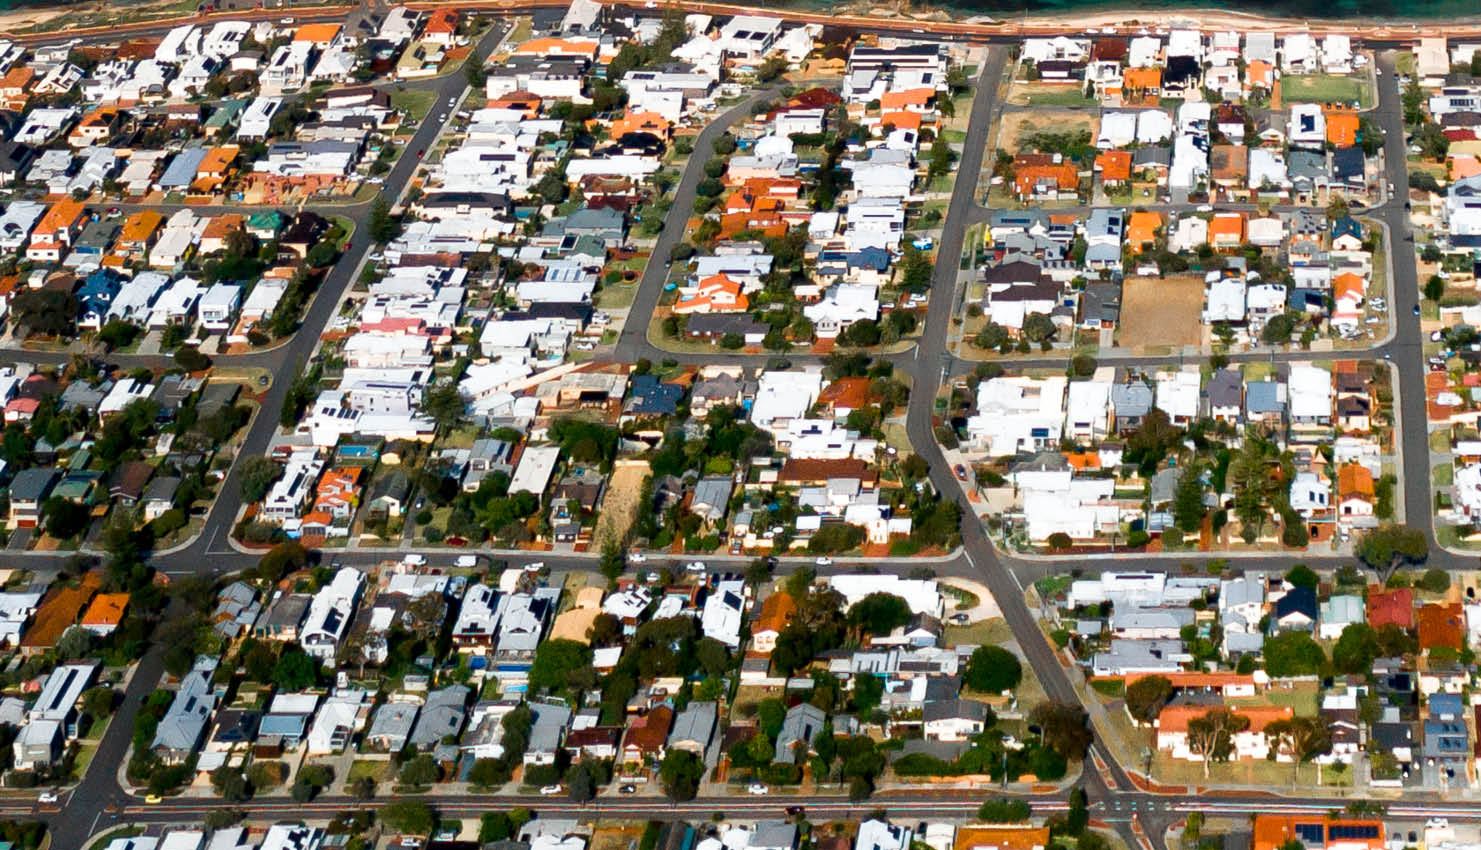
[(219, 227), (557, 47), (1004, 837), (1175, 718), (441, 22), (59, 610), (1348, 283), (107, 609), (1083, 460), (139, 227), (1064, 177), (901, 119), (851, 393), (1227, 227), (892, 100), (1141, 78), (1390, 607), (1442, 626), (1114, 165), (1462, 166), (1342, 128), (321, 33), (1273, 831), (63, 214), (1194, 679), (1260, 73), (776, 612), (1142, 227), (1354, 479)]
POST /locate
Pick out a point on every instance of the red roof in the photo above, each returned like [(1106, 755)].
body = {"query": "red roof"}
[(1442, 626)]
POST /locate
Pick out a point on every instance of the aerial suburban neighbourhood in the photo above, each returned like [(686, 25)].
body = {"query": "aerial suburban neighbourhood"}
[(675, 426)]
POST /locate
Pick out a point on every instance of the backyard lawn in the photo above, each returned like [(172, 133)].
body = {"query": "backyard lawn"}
[(1325, 88)]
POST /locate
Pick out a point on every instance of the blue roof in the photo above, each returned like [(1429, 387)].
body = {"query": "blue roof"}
[(182, 169), (653, 397), (877, 259)]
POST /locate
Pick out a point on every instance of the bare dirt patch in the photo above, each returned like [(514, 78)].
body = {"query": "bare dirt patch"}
[(1161, 312), (620, 505), (1018, 125)]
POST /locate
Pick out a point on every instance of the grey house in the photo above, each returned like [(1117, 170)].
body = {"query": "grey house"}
[(800, 726), (441, 715), (179, 733), (694, 727)]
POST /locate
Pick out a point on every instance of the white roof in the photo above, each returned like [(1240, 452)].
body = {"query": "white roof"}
[(921, 595), (536, 465)]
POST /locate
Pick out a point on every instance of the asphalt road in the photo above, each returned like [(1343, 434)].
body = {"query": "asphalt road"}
[(1111, 792)]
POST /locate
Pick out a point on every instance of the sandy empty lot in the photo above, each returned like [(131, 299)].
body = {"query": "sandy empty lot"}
[(1024, 123), (620, 504), (1161, 311)]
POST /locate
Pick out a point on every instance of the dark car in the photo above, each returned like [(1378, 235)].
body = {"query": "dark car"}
[(961, 472), (1416, 309)]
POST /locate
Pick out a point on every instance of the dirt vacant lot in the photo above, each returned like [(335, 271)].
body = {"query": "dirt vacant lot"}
[(1019, 125), (620, 505), (1161, 312)]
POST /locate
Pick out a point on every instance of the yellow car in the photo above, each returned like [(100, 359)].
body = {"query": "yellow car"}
[(153, 798)]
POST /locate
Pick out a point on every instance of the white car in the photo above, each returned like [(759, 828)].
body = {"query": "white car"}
[(695, 566), (758, 789), (534, 566), (637, 558), (824, 562), (451, 102), (47, 798), (549, 790)]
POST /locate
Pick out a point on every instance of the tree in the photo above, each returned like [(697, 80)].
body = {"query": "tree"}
[(1303, 576), (1385, 548), (878, 614), (1187, 505), (443, 404), (580, 785), (1004, 810), (1038, 327), (1211, 735), (190, 358), (420, 771), (295, 670), (1434, 287), (992, 669), (494, 826), (230, 785), (1278, 329), (1066, 728), (613, 561), (473, 72), (1303, 738), (382, 227), (1293, 654), (409, 817), (98, 702), (1355, 649), (1435, 580), (281, 560), (255, 476), (680, 773), (555, 661), (1146, 696), (712, 655)]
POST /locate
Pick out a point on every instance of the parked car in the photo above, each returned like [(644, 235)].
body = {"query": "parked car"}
[(47, 798), (824, 562), (637, 558), (757, 789), (550, 790), (628, 789)]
